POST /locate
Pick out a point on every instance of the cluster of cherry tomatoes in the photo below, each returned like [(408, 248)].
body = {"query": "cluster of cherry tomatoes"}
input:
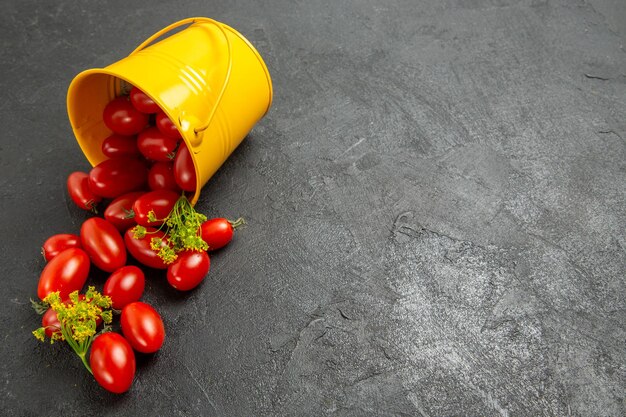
[(144, 148), (144, 181)]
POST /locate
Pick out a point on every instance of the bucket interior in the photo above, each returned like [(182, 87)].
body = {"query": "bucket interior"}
[(87, 97)]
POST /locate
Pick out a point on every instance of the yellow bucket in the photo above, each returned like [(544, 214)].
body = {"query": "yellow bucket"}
[(208, 79)]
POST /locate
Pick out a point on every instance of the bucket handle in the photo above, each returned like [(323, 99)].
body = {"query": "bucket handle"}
[(191, 20)]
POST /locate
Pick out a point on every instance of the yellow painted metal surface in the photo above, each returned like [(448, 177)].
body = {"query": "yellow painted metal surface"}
[(208, 79)]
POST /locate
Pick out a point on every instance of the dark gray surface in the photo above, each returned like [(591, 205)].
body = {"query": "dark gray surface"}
[(435, 206), (614, 11)]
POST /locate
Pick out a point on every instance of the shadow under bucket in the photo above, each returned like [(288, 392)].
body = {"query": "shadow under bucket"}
[(208, 79)]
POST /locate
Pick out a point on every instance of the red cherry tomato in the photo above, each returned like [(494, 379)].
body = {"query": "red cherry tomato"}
[(161, 202), (79, 191), (125, 286), (66, 272), (142, 102), (122, 118), (104, 244), (218, 232), (142, 327), (155, 146), (117, 176), (118, 145), (184, 169), (112, 362), (161, 177), (188, 270), (118, 212), (58, 243), (140, 248), (166, 126), (50, 322)]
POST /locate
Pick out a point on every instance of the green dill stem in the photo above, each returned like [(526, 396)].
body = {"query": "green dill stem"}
[(237, 223), (83, 358), (84, 347), (80, 350)]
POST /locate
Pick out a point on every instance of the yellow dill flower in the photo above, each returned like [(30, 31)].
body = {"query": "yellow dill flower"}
[(152, 216), (78, 317), (40, 333), (181, 228), (139, 232)]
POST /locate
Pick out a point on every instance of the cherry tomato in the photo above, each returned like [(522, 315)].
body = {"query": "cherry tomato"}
[(117, 176), (155, 146), (142, 327), (142, 102), (188, 270), (140, 248), (122, 118), (125, 286), (66, 272), (161, 177), (112, 362), (50, 322), (120, 211), (80, 193), (218, 232), (104, 244), (58, 243), (118, 145), (184, 169), (166, 126), (160, 202)]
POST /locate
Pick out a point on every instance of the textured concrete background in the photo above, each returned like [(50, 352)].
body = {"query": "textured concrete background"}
[(435, 206)]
